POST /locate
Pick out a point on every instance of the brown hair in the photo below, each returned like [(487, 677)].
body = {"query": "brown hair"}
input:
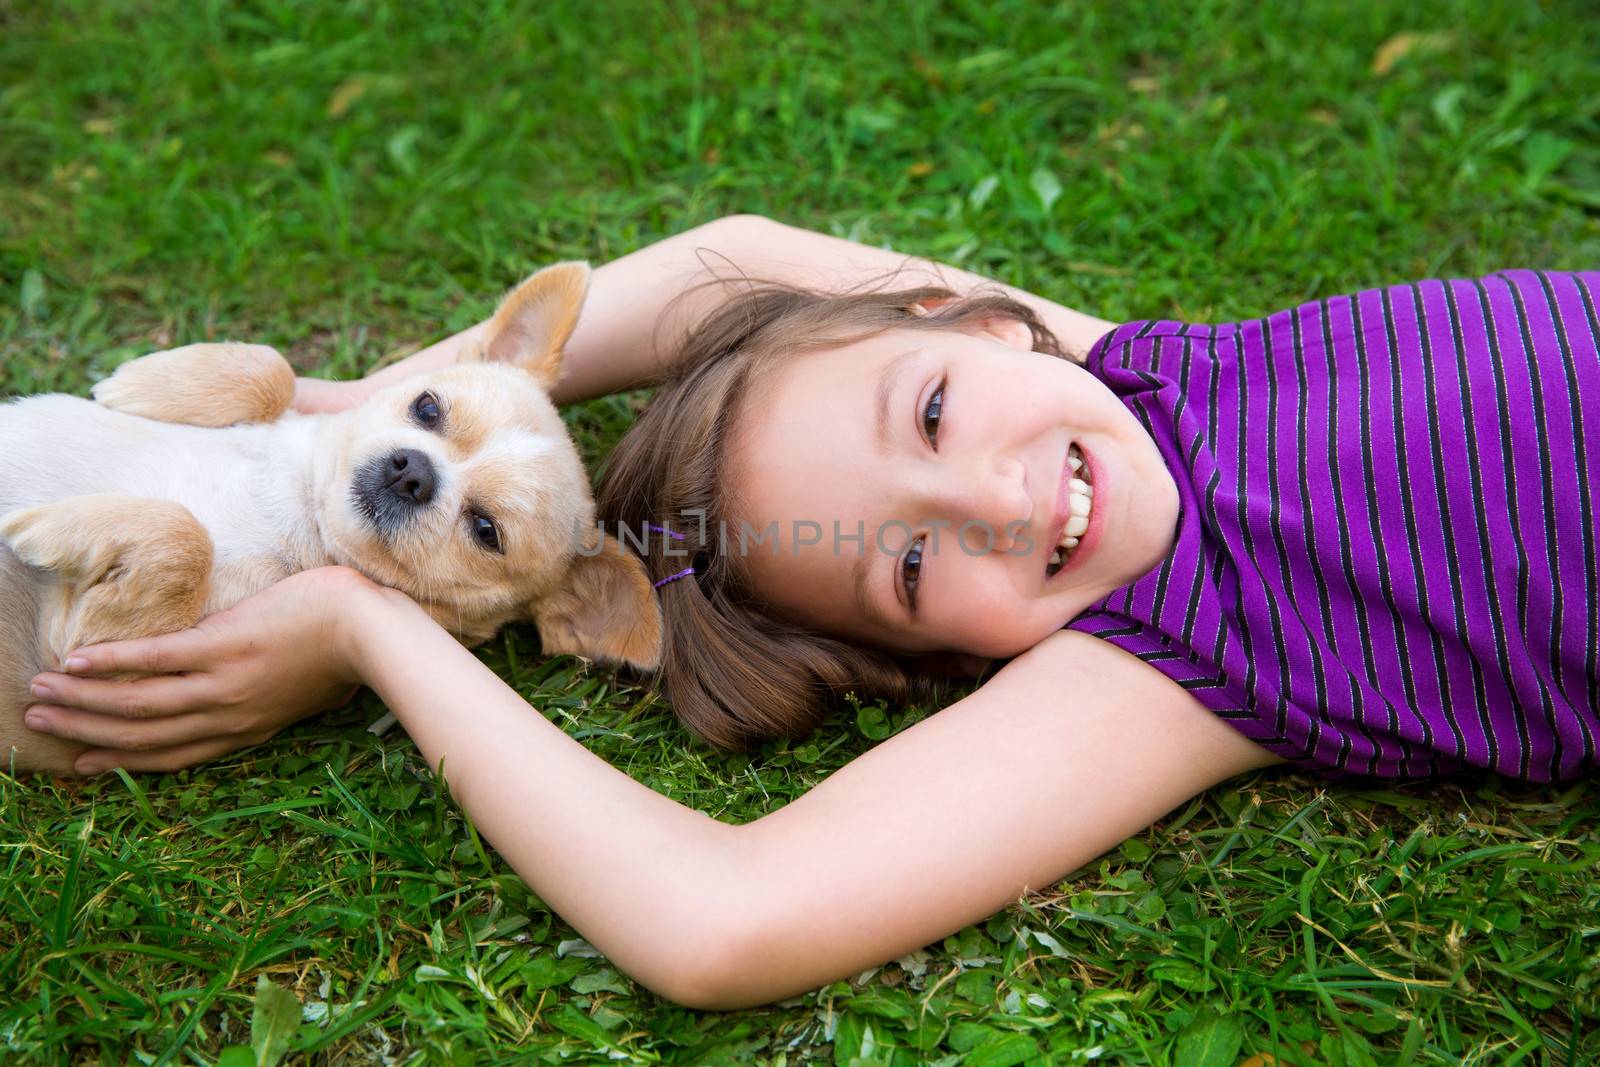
[(735, 675)]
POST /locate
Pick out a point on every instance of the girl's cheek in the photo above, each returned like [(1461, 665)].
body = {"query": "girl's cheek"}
[(993, 617)]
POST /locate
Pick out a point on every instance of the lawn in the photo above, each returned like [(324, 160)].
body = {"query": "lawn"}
[(349, 180)]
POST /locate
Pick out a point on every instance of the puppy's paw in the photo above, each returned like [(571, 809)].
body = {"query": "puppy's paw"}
[(121, 567), (37, 536), (85, 538), (202, 385)]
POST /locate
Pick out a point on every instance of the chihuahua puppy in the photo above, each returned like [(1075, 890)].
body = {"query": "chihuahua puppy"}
[(187, 485)]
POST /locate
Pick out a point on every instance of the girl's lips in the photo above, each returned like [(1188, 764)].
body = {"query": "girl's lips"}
[(1090, 539)]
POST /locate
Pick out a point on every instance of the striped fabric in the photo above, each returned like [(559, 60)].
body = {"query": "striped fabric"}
[(1385, 558)]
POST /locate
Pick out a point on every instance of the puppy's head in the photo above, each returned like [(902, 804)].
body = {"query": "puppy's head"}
[(463, 489)]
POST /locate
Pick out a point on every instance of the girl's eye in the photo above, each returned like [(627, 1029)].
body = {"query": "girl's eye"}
[(485, 531), (911, 571), (930, 416), (425, 410)]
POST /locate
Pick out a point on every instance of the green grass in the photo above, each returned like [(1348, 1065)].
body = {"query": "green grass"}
[(345, 180)]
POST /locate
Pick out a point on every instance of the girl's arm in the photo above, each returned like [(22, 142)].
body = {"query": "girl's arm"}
[(1067, 751), (620, 339)]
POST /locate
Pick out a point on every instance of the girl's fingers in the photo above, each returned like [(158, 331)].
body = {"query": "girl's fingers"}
[(185, 650), (175, 758), (110, 731), (137, 698)]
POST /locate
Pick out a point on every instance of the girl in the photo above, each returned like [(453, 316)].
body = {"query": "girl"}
[(1391, 573)]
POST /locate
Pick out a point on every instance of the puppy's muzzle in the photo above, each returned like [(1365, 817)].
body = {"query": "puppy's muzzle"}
[(390, 489)]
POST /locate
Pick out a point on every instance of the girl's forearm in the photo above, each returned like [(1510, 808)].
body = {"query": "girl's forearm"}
[(615, 344), (625, 333), (649, 882)]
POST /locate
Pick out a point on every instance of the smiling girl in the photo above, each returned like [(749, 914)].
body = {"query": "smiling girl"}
[(1357, 536)]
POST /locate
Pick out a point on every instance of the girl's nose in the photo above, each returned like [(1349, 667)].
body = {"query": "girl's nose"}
[(992, 503)]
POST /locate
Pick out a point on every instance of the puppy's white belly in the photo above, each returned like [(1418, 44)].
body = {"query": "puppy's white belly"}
[(238, 482)]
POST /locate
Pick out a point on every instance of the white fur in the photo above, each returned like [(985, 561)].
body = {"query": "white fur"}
[(255, 488)]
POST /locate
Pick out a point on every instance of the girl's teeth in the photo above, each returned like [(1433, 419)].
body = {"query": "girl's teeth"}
[(1080, 502), (1080, 470)]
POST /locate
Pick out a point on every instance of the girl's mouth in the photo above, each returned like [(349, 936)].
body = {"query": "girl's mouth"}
[(1078, 493)]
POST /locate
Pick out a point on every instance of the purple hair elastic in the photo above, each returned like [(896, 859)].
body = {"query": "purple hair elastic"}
[(676, 537), (673, 577)]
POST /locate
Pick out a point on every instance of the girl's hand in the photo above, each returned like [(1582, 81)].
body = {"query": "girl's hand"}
[(232, 681)]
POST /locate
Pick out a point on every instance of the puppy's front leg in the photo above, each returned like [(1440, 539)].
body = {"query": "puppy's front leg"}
[(123, 566), (202, 385), (116, 567)]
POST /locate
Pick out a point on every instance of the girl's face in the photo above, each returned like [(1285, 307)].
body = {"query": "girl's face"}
[(949, 453)]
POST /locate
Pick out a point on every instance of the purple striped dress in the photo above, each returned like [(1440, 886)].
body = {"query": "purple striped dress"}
[(1385, 556)]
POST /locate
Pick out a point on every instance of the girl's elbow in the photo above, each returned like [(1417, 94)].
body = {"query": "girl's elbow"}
[(720, 967), (703, 975), (746, 970), (712, 989), (746, 225), (696, 987), (724, 946), (742, 218)]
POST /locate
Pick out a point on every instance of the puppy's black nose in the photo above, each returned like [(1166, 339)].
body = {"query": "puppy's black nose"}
[(408, 474)]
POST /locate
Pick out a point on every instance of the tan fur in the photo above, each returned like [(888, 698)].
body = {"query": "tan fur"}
[(19, 643), (124, 567), (277, 499), (594, 610), (202, 385), (234, 580), (532, 326)]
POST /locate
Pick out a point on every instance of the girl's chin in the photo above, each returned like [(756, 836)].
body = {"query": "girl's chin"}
[(992, 649)]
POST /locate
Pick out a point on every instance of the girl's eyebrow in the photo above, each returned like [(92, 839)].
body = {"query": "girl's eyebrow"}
[(886, 384)]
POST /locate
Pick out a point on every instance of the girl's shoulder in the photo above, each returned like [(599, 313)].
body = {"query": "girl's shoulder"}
[(1089, 670)]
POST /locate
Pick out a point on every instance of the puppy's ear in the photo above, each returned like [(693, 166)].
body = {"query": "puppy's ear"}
[(532, 325), (604, 608)]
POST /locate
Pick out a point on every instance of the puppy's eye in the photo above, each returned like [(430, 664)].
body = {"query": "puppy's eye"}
[(484, 531), (425, 410)]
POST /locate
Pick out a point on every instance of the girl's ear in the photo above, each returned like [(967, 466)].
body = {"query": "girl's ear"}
[(1006, 330), (604, 608), (532, 325), (932, 303)]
